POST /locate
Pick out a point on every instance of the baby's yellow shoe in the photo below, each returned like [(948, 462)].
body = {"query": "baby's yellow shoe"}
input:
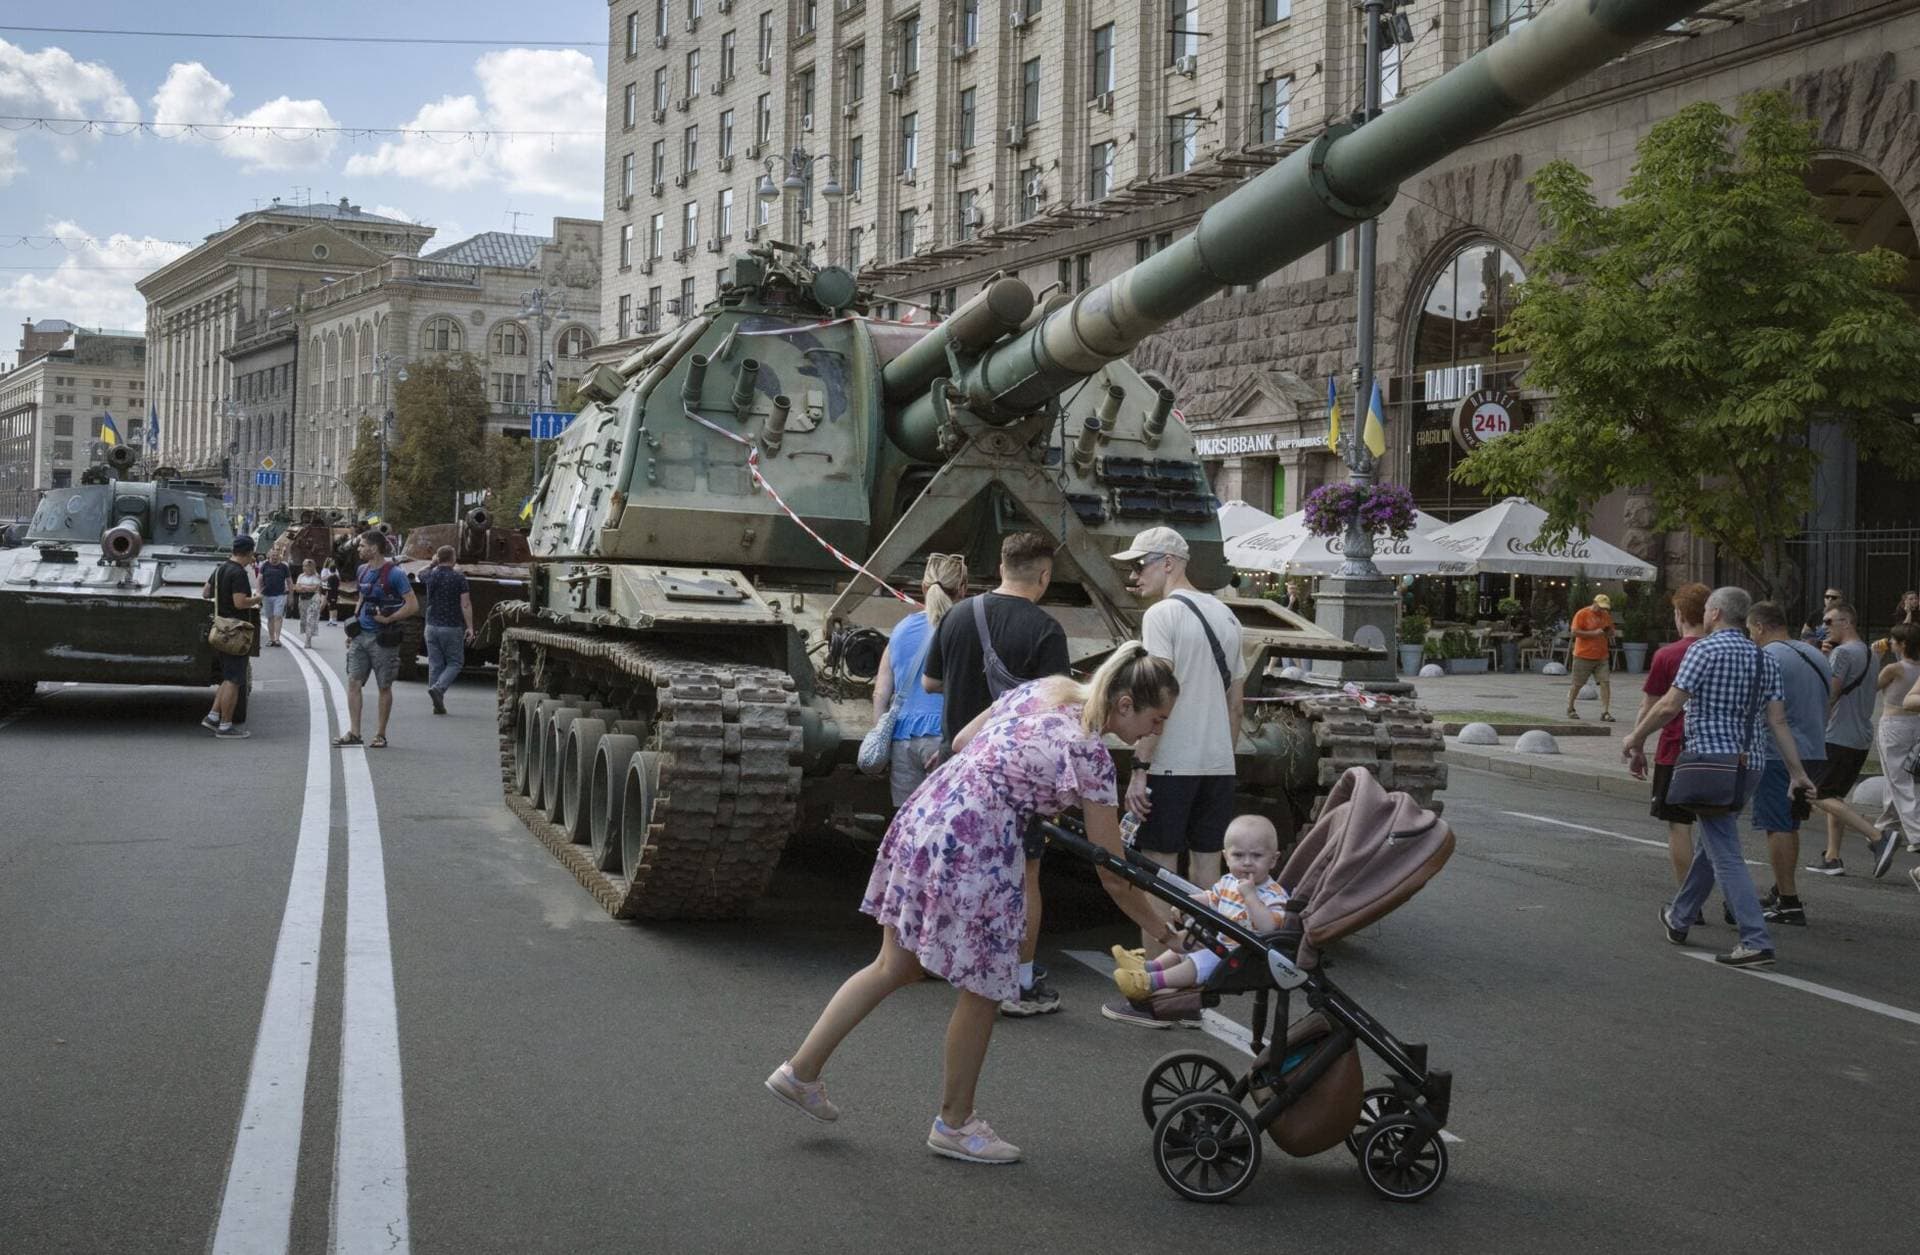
[(1129, 960), (1134, 984)]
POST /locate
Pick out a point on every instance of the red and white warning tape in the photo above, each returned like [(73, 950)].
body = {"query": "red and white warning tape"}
[(753, 468)]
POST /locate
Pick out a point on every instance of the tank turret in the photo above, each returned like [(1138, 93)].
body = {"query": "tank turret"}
[(739, 512)]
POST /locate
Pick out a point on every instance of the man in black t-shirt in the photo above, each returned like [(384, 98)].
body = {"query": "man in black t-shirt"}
[(1028, 643), (232, 591)]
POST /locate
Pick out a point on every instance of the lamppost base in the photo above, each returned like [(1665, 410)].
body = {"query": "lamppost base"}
[(1362, 610)]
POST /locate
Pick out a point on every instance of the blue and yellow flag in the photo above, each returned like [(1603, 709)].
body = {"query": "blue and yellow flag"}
[(109, 431), (1333, 416), (526, 508), (1374, 433)]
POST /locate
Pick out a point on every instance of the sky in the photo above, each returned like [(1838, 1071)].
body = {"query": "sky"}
[(83, 216)]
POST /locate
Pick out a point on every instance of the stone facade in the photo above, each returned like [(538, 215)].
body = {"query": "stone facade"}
[(196, 302), (265, 364), (471, 298), (52, 406)]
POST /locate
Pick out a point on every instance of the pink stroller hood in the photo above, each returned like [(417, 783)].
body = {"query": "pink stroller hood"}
[(1370, 851)]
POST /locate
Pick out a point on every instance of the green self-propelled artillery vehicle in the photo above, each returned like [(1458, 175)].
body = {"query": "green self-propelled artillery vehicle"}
[(719, 538)]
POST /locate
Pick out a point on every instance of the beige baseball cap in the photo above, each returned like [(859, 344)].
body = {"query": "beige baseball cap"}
[(1154, 540), (1603, 601)]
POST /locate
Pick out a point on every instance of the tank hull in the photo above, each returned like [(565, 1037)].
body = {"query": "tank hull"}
[(104, 638)]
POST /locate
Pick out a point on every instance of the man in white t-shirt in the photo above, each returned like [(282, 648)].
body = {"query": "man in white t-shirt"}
[(1182, 781)]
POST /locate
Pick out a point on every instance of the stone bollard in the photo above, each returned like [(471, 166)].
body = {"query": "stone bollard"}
[(1432, 670), (1553, 668), (1479, 734), (1590, 692), (1536, 741)]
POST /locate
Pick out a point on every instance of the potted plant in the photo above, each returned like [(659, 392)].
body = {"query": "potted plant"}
[(1515, 615), (1356, 511), (1462, 659), (1413, 642), (1639, 625)]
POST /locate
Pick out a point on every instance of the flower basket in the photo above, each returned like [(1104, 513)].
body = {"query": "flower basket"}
[(1378, 508)]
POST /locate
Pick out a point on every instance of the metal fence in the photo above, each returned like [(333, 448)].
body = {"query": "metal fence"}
[(1872, 567)]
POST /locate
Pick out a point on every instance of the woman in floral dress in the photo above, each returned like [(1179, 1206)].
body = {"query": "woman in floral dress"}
[(948, 886)]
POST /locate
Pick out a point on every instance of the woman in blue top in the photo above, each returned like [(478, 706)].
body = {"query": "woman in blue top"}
[(916, 731)]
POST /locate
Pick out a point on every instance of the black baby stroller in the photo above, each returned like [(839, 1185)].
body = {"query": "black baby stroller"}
[(1370, 851)]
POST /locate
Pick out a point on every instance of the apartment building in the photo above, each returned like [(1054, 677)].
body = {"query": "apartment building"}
[(55, 402)]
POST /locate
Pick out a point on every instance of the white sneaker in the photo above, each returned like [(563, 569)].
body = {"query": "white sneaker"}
[(809, 1096), (973, 1142)]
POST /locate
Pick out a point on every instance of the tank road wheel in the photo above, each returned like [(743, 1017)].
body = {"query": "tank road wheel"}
[(1403, 1161), (537, 749), (553, 757), (1206, 1147), (523, 720), (576, 772), (636, 812), (1181, 1073), (1376, 1105), (606, 791)]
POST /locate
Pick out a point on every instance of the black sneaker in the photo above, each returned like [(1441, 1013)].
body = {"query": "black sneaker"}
[(1741, 956), (1727, 913), (1772, 898), (1825, 866), (1784, 912), (1678, 936), (439, 703), (1038, 998), (1883, 851)]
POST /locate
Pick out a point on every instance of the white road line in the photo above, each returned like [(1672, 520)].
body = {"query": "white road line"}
[(1602, 832), (1212, 1023), (1821, 991), (370, 1145), (256, 1208)]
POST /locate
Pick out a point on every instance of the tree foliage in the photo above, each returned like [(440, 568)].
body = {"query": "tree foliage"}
[(1691, 336)]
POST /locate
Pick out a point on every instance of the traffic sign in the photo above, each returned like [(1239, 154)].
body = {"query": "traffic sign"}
[(266, 463), (548, 424), (266, 479)]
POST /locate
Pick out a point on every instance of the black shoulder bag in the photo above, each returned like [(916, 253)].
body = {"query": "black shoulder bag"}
[(1719, 784), (1213, 642)]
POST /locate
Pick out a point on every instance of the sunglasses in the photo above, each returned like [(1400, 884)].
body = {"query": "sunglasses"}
[(1141, 564)]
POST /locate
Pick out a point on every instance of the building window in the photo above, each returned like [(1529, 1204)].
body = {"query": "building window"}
[(853, 248), (1183, 141), (660, 90), (719, 282), (1389, 74), (969, 23), (63, 450), (630, 110), (856, 164), (629, 171), (690, 149), (63, 425), (856, 73), (1507, 16), (509, 340), (440, 335), (1276, 94), (1340, 253), (574, 342), (723, 214), (1456, 339), (656, 236), (1030, 93), (909, 41), (693, 73), (726, 133), (803, 95), (727, 43), (1030, 193), (968, 112), (626, 246), (809, 16), (508, 389), (763, 118), (909, 142), (1101, 71), (659, 162), (1183, 29), (633, 35), (766, 38), (1100, 171), (760, 208), (690, 224), (906, 223), (659, 19), (652, 311), (966, 214), (1082, 272), (1272, 11), (687, 297)]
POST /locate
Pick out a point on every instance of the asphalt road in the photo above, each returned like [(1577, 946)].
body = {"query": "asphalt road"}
[(556, 1081)]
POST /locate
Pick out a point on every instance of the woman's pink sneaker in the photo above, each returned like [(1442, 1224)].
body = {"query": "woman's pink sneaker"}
[(809, 1096), (973, 1142)]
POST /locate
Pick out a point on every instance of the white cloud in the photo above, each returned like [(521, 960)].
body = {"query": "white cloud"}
[(191, 94), (521, 89), (52, 84), (93, 285)]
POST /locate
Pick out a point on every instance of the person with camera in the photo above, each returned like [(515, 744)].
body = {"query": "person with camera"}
[(234, 596), (373, 645)]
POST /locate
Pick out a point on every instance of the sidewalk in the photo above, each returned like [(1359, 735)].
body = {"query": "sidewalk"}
[(1589, 756)]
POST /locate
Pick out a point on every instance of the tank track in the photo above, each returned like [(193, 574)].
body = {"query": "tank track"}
[(1397, 741), (728, 739)]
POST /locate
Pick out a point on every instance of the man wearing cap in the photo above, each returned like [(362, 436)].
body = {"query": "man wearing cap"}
[(234, 596), (1182, 782), (1592, 646)]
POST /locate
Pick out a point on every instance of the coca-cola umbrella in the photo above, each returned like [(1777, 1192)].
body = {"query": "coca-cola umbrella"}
[(1237, 518), (1504, 539), (1286, 547)]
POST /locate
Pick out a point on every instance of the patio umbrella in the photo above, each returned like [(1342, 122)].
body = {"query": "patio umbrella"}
[(1238, 518), (1505, 540), (1286, 546)]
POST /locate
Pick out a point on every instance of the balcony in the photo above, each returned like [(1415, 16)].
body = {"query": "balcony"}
[(398, 270)]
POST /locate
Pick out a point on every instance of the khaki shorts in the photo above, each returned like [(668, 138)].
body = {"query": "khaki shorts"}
[(1584, 669), (365, 657)]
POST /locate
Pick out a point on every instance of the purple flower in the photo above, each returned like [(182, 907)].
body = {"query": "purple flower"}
[(1377, 507)]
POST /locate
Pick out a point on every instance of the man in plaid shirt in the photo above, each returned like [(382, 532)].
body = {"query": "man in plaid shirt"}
[(1732, 695)]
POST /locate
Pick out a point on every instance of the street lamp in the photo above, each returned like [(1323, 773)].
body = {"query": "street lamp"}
[(798, 166), (534, 306)]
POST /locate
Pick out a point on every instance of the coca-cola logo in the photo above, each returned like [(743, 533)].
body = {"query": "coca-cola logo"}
[(1563, 549)]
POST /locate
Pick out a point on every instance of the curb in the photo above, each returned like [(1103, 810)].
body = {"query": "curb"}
[(1507, 763)]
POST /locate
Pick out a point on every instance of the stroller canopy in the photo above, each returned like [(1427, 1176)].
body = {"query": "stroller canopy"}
[(1370, 851)]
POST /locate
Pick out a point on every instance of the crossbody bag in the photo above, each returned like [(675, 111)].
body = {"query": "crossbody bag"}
[(999, 678), (1719, 784), (228, 635), (876, 747), (1213, 642)]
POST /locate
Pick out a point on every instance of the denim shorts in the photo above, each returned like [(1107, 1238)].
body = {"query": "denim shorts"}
[(365, 657), (1774, 807)]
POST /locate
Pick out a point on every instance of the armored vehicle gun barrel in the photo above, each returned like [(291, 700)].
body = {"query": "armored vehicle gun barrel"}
[(121, 542), (1321, 191)]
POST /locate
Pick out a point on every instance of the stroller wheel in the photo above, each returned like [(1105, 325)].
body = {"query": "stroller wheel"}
[(1181, 1073), (1206, 1147), (1379, 1102), (1402, 1161)]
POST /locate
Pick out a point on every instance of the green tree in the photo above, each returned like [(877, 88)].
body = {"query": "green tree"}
[(363, 467), (1691, 337), (507, 475)]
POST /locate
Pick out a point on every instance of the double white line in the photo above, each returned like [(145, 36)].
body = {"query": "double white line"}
[(369, 1199)]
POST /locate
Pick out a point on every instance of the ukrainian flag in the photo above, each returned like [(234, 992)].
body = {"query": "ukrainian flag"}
[(109, 431), (1333, 416), (1374, 434), (526, 509)]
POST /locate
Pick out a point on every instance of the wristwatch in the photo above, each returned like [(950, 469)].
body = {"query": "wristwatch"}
[(1140, 766)]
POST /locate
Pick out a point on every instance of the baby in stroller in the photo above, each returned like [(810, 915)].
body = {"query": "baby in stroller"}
[(1247, 894)]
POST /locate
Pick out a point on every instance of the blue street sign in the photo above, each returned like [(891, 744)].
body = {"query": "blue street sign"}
[(548, 424), (266, 479)]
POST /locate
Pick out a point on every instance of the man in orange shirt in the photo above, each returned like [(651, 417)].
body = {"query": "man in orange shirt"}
[(1592, 646)]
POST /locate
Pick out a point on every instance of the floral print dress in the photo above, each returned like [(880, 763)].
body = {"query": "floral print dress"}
[(951, 876)]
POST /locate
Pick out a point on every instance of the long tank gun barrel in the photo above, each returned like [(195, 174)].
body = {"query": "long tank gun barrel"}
[(1320, 192)]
